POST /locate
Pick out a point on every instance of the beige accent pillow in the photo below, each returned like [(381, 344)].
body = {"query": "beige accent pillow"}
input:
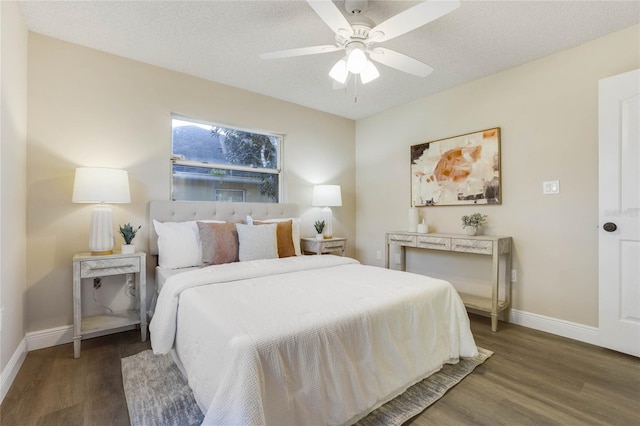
[(257, 242), (284, 232), (295, 227), (219, 243)]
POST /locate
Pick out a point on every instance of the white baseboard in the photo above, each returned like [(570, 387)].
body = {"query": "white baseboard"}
[(61, 335), (10, 371), (32, 341), (49, 337), (571, 330)]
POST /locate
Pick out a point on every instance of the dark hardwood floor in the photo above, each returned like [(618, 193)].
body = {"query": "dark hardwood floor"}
[(53, 388), (533, 378), (536, 378)]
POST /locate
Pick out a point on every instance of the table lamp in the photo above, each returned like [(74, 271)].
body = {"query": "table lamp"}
[(327, 196), (101, 185)]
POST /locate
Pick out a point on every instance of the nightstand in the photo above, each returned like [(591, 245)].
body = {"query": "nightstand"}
[(86, 265), (329, 246)]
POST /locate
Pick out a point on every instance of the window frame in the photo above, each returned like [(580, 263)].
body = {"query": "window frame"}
[(177, 160)]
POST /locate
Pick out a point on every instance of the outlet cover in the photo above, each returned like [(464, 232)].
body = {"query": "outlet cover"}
[(551, 187)]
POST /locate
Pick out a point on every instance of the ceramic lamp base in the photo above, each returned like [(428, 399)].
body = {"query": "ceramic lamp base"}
[(327, 216), (101, 239)]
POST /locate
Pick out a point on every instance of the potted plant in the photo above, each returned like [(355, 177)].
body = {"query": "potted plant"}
[(319, 225), (128, 234), (472, 222)]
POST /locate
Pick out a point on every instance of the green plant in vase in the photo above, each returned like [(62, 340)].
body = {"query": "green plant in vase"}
[(319, 225), (128, 234), (472, 222)]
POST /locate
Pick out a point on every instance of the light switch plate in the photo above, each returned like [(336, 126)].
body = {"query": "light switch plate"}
[(551, 187)]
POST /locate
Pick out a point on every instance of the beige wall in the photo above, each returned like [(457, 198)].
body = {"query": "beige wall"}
[(548, 113), (90, 108), (13, 142)]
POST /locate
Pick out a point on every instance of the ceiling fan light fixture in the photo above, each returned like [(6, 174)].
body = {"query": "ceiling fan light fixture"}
[(356, 60), (370, 73), (339, 71), (357, 35)]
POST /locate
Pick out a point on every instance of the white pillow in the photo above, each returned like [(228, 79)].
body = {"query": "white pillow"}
[(295, 229), (179, 244), (257, 242)]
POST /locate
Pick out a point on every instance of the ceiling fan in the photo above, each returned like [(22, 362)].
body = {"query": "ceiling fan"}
[(358, 36)]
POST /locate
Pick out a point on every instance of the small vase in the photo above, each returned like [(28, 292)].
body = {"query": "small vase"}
[(128, 248), (472, 230), (319, 237)]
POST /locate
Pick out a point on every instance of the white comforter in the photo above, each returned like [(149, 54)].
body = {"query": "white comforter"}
[(308, 340)]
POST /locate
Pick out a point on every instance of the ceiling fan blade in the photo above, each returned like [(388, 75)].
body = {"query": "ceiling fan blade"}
[(331, 15), (399, 61), (411, 19), (301, 51)]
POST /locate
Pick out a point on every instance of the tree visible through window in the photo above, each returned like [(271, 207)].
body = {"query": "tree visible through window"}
[(216, 163)]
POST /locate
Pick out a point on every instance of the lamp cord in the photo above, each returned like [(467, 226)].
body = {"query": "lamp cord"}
[(95, 299)]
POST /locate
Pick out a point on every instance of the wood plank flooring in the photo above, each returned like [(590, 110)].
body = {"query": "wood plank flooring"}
[(533, 378)]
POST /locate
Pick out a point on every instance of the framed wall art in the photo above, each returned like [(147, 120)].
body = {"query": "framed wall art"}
[(460, 170)]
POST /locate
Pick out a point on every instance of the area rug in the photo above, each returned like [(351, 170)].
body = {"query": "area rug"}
[(158, 394)]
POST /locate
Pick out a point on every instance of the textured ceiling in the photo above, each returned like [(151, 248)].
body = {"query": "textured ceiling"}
[(221, 40)]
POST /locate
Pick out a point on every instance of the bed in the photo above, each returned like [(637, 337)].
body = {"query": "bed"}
[(300, 340)]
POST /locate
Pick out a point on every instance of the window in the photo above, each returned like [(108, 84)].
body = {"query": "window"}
[(216, 163)]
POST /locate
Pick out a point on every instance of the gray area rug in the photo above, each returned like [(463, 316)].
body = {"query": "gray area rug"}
[(158, 394)]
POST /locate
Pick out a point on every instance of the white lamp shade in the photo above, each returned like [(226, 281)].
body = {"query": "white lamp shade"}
[(101, 185), (339, 72), (327, 196), (370, 73), (356, 61)]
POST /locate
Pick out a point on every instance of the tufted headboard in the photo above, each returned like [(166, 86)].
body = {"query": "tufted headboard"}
[(182, 211)]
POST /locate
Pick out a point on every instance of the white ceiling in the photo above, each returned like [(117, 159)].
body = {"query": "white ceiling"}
[(221, 40)]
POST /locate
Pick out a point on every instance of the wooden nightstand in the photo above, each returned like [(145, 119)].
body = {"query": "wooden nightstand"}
[(330, 246), (87, 266)]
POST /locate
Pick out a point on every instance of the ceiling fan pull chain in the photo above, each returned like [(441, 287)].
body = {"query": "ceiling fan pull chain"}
[(355, 90)]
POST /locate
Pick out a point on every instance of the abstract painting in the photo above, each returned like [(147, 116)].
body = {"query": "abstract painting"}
[(460, 170)]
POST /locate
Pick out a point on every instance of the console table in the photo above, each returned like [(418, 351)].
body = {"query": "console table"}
[(489, 245)]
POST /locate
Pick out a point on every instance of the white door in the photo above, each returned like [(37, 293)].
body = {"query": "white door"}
[(619, 234)]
